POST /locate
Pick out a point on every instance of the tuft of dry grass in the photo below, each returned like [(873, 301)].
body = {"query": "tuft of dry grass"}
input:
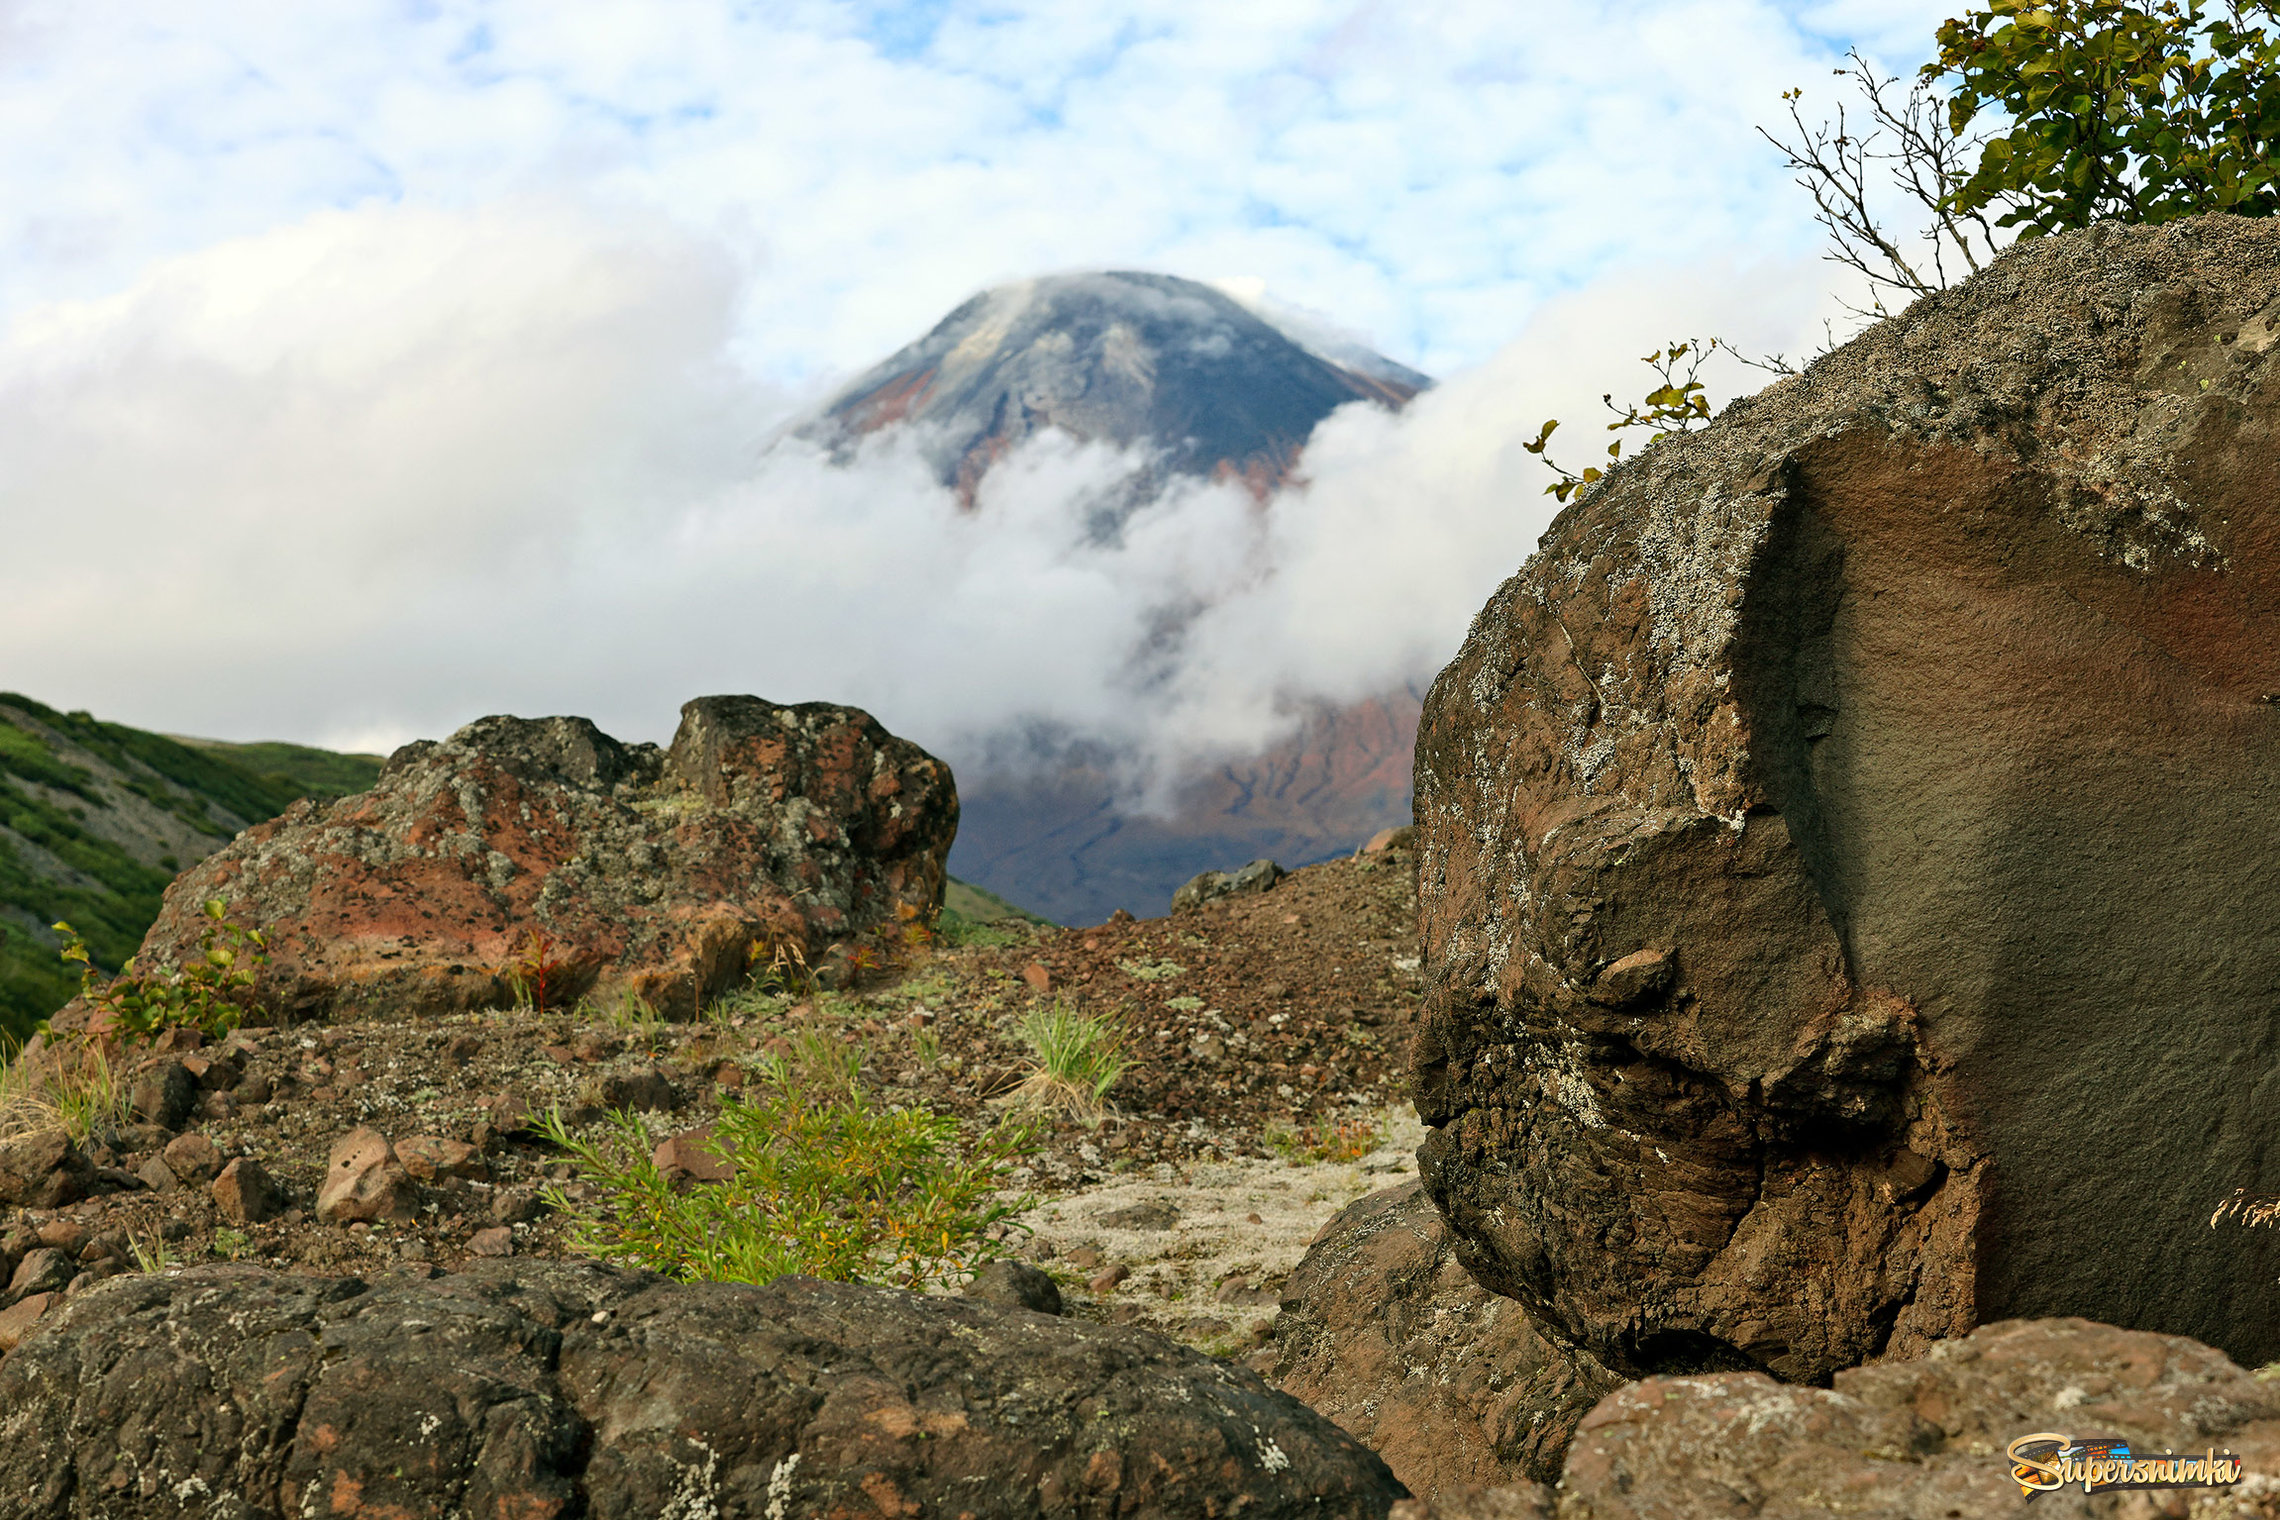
[(1076, 1059), (70, 1085), (1326, 1139)]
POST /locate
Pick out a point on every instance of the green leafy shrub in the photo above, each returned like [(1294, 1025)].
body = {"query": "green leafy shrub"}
[(2113, 111), (1077, 1059), (208, 995), (825, 1184)]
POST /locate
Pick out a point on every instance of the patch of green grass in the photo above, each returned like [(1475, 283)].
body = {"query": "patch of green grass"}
[(822, 1183), (1077, 1058), (320, 773), (1151, 971)]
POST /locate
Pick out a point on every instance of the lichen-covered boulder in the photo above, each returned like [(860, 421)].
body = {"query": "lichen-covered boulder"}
[(1927, 1437), (1849, 868), (649, 873), (540, 1389)]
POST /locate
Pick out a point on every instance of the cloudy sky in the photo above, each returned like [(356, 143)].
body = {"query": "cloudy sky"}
[(367, 367)]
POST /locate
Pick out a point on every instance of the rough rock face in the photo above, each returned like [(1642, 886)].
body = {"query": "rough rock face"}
[(539, 1389), (1927, 1437), (1456, 1388), (1849, 848), (652, 872)]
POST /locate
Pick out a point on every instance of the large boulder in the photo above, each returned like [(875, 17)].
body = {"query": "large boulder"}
[(651, 872), (1849, 848), (1456, 1388), (542, 1389)]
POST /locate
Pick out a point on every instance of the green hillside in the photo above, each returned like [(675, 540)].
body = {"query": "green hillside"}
[(96, 818)]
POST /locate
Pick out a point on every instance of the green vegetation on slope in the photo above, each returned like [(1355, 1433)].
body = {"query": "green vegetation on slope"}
[(320, 773), (74, 847)]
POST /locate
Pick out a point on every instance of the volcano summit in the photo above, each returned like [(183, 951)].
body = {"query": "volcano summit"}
[(1139, 360)]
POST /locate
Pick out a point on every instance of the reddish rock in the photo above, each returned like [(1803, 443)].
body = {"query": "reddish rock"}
[(246, 1194), (1039, 979), (495, 1241), (689, 1154), (363, 1181), (1920, 711), (428, 1157), (192, 1158), (1402, 837), (649, 873), (1383, 1331), (17, 1320)]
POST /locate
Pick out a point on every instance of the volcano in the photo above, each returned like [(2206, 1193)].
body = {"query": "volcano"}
[(1198, 385), (1203, 383)]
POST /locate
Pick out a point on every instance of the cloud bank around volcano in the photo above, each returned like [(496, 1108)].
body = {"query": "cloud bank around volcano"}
[(371, 475)]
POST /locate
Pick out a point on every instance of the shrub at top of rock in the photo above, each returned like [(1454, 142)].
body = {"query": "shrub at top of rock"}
[(550, 1388), (1847, 847), (647, 873)]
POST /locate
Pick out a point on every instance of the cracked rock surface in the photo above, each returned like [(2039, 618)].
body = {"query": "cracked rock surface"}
[(538, 1389), (1846, 847)]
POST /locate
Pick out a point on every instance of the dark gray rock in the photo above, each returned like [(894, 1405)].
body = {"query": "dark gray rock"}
[(1016, 1285), (1208, 886), (1155, 1214), (645, 1088), (534, 1388), (46, 1269), (45, 1171), (163, 1093)]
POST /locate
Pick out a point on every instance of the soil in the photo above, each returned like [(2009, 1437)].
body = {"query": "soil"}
[(1267, 1089)]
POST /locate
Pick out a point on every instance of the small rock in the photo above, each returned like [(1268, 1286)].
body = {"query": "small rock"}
[(428, 1157), (496, 1241), (1085, 1258), (245, 1193), (111, 1245), (1633, 979), (64, 1234), (83, 1280), (193, 1158), (1105, 1280), (1154, 1215), (44, 1171), (256, 1089), (163, 1094), (1207, 1048), (517, 1205), (156, 1175), (174, 1229), (45, 1270), (1016, 1285), (645, 1088), (17, 1322), (688, 1155), (1039, 979), (1401, 838), (1207, 886), (363, 1182), (143, 1137)]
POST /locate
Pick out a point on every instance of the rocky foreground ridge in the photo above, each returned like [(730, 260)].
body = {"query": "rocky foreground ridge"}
[(1848, 847)]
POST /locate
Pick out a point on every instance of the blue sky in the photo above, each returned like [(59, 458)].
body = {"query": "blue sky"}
[(405, 311)]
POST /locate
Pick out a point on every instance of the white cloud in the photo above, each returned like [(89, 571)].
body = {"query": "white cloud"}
[(376, 366)]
